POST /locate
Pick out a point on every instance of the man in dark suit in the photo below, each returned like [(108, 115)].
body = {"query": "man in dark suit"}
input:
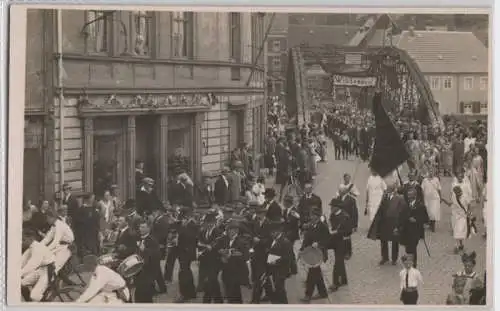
[(159, 230), (308, 200), (210, 263), (87, 221), (412, 183), (146, 199), (149, 250), (221, 187), (412, 223), (186, 250), (279, 263), (126, 241), (386, 224), (349, 205), (184, 192), (364, 144), (139, 173), (341, 228), (292, 219), (234, 254), (273, 208), (70, 201), (316, 234)]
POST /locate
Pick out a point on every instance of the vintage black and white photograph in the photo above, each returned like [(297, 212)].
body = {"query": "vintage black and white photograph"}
[(239, 156)]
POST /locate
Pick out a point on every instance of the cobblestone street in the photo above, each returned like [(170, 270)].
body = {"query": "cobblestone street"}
[(370, 283)]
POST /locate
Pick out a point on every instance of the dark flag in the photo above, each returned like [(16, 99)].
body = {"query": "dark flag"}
[(291, 88), (389, 151)]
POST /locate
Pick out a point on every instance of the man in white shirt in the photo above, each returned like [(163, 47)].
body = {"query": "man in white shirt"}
[(34, 267), (410, 280), (105, 286), (58, 240)]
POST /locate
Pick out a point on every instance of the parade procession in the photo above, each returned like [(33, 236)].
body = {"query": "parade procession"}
[(361, 192)]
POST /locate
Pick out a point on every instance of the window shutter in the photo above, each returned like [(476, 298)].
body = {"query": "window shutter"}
[(461, 108), (476, 107)]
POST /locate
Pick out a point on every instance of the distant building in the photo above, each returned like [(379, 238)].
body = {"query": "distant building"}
[(277, 53)]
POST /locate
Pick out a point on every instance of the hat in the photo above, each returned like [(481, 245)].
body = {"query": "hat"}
[(335, 202), (270, 192), (233, 224), (148, 181)]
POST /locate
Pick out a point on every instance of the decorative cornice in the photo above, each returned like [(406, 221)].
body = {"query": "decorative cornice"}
[(155, 61), (131, 91), (146, 104)]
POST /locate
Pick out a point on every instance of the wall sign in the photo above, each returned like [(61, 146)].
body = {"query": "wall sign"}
[(339, 80)]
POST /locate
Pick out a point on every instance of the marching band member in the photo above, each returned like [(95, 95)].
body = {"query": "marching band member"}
[(347, 195), (273, 208), (279, 263), (149, 251), (159, 230), (292, 219), (147, 200), (210, 264), (37, 259), (105, 285), (308, 200), (58, 240), (341, 226), (126, 241), (316, 234), (186, 252), (234, 254)]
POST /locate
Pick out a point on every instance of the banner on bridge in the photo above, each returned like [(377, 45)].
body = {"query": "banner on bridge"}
[(340, 80)]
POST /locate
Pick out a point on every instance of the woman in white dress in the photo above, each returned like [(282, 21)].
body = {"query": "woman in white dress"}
[(375, 188), (461, 190), (431, 189), (106, 208)]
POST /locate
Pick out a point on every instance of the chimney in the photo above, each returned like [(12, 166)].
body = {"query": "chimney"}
[(411, 29)]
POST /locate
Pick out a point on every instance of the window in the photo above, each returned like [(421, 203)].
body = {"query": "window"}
[(468, 83), (97, 30), (468, 108), (484, 108), (447, 83), (141, 32), (276, 45), (276, 62), (277, 87), (235, 43), (435, 85), (183, 34), (483, 83)]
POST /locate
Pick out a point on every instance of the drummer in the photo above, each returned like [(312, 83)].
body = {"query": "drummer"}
[(105, 286), (316, 234)]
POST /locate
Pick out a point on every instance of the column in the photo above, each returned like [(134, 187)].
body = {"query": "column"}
[(131, 156), (88, 151), (163, 157), (197, 146)]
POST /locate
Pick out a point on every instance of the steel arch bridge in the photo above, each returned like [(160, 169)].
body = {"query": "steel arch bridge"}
[(404, 87)]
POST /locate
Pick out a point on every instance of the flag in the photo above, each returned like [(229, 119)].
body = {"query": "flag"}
[(389, 151), (291, 88)]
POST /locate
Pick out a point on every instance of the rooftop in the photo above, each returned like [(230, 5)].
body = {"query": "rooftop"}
[(445, 51), (317, 35)]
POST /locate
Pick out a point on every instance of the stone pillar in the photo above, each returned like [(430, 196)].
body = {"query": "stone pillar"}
[(163, 158), (88, 151), (197, 146), (131, 157)]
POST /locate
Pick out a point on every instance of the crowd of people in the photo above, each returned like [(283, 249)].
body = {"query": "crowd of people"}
[(242, 233)]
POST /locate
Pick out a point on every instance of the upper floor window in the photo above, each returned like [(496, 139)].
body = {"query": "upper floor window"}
[(235, 52), (276, 62), (183, 34), (484, 107), (141, 32), (483, 83), (435, 83), (468, 83), (97, 31), (447, 83), (276, 45)]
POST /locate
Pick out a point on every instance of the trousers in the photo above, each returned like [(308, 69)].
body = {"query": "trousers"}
[(384, 250), (315, 280), (38, 280)]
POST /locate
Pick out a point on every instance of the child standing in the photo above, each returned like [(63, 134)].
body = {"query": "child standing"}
[(457, 296), (410, 280)]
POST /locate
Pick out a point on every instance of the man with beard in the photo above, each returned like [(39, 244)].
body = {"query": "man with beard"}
[(386, 224), (413, 219), (412, 183)]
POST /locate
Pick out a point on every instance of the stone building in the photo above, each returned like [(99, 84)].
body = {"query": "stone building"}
[(137, 86)]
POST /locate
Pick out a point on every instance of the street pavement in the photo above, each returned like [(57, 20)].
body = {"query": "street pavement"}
[(370, 283)]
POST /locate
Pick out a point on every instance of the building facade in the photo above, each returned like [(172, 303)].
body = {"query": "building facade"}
[(277, 54), (139, 86)]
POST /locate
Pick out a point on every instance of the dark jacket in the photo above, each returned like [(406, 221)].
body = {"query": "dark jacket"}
[(404, 191), (221, 191), (318, 233), (282, 267), (388, 218), (233, 267), (412, 232), (182, 195), (151, 257), (292, 224), (188, 238), (305, 204), (273, 210), (147, 202), (72, 204), (341, 224), (349, 205), (126, 243)]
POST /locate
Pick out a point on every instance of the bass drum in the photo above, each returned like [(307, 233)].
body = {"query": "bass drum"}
[(311, 256), (130, 266)]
